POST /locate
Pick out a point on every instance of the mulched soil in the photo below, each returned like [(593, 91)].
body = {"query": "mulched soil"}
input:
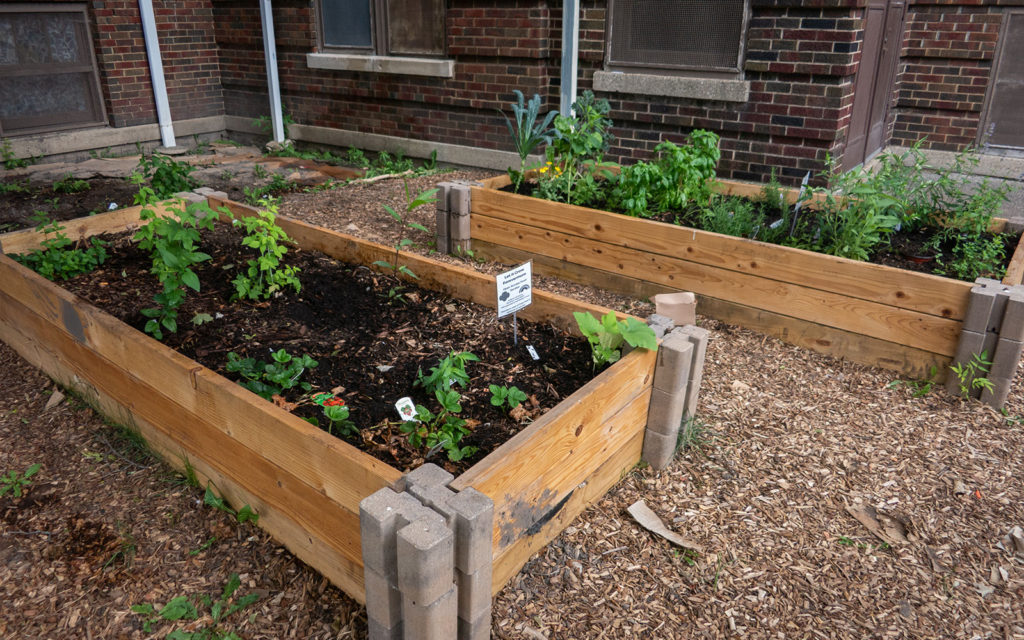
[(369, 333), (101, 195), (790, 439)]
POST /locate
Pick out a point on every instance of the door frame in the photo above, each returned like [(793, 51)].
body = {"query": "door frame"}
[(997, 61)]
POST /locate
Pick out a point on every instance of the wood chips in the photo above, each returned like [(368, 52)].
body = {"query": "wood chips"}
[(828, 503)]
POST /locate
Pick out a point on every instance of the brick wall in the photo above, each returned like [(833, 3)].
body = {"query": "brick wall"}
[(188, 49), (946, 61)]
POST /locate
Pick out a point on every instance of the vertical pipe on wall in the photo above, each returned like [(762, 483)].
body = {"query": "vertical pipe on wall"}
[(273, 84), (570, 54), (156, 73)]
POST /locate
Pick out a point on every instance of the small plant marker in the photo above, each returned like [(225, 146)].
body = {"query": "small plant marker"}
[(515, 292)]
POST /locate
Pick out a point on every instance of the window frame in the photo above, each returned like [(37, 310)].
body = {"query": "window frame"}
[(88, 65), (380, 45), (734, 72)]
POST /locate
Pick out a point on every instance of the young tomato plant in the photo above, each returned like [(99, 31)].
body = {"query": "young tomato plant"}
[(607, 336), (265, 276)]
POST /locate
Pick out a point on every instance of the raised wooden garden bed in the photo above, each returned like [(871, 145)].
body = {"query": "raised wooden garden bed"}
[(867, 313), (306, 485)]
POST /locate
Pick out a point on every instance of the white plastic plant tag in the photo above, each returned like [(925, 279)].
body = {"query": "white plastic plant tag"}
[(112, 206), (406, 409), (532, 352)]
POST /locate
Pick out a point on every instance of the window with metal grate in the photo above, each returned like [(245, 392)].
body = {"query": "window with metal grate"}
[(682, 35), (383, 27)]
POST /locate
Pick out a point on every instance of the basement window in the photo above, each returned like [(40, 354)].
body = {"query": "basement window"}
[(393, 28), (680, 37), (48, 76)]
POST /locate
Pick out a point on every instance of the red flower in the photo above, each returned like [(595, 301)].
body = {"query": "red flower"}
[(334, 402)]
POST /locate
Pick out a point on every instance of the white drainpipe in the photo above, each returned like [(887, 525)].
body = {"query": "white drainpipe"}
[(570, 54), (156, 74), (273, 85)]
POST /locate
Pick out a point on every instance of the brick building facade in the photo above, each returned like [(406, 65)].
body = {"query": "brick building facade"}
[(791, 100)]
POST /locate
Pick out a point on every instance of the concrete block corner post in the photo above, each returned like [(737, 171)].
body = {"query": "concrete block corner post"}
[(993, 326), (427, 555), (459, 230)]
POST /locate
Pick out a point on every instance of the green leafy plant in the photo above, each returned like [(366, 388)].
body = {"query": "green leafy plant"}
[(577, 148), (970, 375), (338, 416), (69, 184), (269, 379), (426, 197), (259, 171), (210, 616), (243, 515), (510, 396), (692, 433), (56, 260), (732, 216), (441, 430), (527, 133), (918, 388), (266, 275), (450, 370), (15, 187), (606, 336), (15, 482), (266, 125), (10, 160), (172, 241), (278, 184), (166, 175)]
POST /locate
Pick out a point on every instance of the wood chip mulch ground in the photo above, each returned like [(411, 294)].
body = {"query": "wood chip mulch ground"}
[(828, 500)]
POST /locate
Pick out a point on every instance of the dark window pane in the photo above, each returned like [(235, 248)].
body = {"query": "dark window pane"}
[(677, 33), (346, 23), (416, 27)]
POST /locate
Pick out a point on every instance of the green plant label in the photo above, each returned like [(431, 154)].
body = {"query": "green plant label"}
[(515, 289)]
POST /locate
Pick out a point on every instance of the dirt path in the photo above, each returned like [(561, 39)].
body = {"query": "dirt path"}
[(791, 443)]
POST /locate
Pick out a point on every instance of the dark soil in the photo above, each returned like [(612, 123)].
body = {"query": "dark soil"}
[(18, 206), (369, 345)]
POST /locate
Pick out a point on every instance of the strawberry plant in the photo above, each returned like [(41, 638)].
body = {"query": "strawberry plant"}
[(268, 380), (56, 260), (502, 395), (441, 430)]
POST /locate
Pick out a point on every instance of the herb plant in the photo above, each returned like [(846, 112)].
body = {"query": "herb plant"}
[(510, 396), (208, 617), (527, 133), (56, 260), (265, 275), (15, 482), (270, 379), (450, 370), (607, 335)]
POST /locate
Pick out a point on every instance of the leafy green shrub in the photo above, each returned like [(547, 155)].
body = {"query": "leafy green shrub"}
[(166, 175), (578, 148), (265, 275), (678, 177), (267, 380), (69, 184), (172, 242), (527, 134), (607, 335), (56, 260), (732, 216)]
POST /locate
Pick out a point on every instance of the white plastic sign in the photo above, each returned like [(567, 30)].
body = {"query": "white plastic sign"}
[(406, 409), (515, 289)]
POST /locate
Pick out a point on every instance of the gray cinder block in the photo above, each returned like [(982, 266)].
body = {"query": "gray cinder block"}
[(478, 629), (426, 554), (658, 449), (980, 303), (1013, 316), (380, 517), (436, 620), (665, 412), (377, 631), (660, 324), (1007, 355), (383, 599), (474, 529), (474, 592), (427, 475), (699, 339), (996, 397), (672, 369)]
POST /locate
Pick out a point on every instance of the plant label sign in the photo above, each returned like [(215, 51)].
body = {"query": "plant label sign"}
[(515, 289)]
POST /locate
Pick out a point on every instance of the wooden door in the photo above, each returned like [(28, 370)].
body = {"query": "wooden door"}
[(873, 87), (1002, 125)]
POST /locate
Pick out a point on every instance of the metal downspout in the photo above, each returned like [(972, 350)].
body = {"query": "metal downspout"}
[(273, 84), (570, 54), (156, 74)]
